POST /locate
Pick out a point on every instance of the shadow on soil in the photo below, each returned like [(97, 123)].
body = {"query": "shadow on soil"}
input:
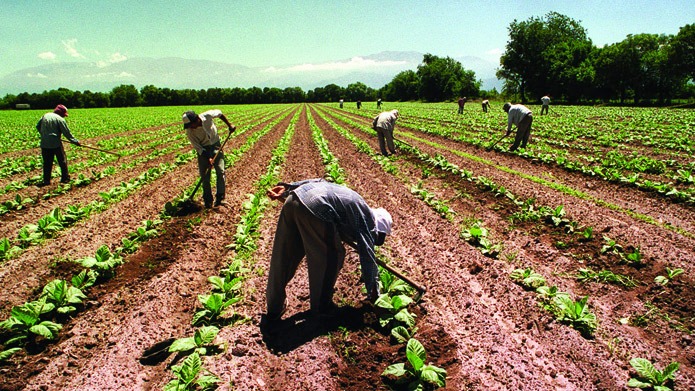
[(283, 336)]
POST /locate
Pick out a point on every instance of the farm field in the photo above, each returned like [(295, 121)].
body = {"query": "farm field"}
[(551, 268)]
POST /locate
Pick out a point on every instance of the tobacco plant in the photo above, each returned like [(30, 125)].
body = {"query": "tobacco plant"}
[(396, 310), (648, 377), (63, 296), (670, 275), (103, 261), (190, 375), (214, 305), (201, 341), (415, 374), (576, 314), (25, 322), (528, 278)]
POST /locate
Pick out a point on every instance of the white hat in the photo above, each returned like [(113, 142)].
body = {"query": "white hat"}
[(383, 220)]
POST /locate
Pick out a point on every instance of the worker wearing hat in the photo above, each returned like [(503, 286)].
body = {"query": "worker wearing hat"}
[(317, 217), (522, 118), (51, 127), (202, 134)]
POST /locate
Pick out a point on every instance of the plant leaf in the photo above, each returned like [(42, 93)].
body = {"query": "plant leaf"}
[(416, 354)]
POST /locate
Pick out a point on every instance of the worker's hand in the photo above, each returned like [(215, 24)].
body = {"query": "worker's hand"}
[(232, 128), (78, 144), (276, 192), (212, 161)]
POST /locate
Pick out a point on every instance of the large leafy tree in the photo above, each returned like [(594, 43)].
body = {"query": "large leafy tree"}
[(682, 52), (547, 55), (403, 87), (445, 78)]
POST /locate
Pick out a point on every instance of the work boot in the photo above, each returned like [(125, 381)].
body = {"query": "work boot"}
[(65, 180), (208, 204)]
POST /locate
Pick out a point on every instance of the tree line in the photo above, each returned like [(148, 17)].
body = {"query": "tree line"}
[(550, 55)]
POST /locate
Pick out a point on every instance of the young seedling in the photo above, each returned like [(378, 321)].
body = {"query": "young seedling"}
[(63, 296), (648, 377), (189, 376), (201, 341), (670, 275), (576, 314), (528, 278), (396, 310), (25, 322), (214, 305), (415, 374)]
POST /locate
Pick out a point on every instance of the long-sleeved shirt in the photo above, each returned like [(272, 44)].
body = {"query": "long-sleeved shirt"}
[(351, 215), (545, 101), (51, 126), (515, 114), (385, 120), (204, 136)]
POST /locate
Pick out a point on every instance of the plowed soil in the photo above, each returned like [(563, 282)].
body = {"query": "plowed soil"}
[(483, 328)]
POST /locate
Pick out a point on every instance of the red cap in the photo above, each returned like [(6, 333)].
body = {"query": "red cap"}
[(61, 110)]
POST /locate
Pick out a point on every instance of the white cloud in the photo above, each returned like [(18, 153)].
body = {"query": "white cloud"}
[(353, 64), (47, 56), (114, 58), (36, 76), (70, 49)]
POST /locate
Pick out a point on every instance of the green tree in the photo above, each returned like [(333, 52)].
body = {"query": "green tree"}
[(125, 96), (445, 78), (546, 56), (682, 52), (403, 87)]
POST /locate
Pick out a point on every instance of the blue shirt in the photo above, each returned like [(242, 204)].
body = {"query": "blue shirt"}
[(351, 215)]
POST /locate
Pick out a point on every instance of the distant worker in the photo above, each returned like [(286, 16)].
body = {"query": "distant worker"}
[(202, 134), (316, 218), (522, 117), (461, 102), (486, 105), (359, 104), (384, 123), (341, 103), (51, 126), (545, 104), (378, 103)]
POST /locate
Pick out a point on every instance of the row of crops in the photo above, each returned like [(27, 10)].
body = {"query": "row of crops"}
[(655, 159)]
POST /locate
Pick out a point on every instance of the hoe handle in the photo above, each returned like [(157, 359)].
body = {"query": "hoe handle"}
[(421, 289)]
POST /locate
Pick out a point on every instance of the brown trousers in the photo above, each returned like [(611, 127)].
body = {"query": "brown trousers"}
[(299, 233)]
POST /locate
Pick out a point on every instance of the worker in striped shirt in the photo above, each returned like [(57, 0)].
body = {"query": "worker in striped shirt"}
[(317, 218)]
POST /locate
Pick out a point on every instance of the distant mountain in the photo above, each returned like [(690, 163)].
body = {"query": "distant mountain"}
[(374, 70)]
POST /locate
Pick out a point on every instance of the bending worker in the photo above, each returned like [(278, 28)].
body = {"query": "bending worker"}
[(522, 117), (383, 124), (317, 216)]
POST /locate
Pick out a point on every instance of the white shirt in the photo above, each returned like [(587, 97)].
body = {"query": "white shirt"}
[(206, 135)]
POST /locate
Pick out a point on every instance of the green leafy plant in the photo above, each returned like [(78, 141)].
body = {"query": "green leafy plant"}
[(104, 261), (477, 236), (84, 279), (7, 249), (63, 296), (391, 285), (586, 234), (6, 354), (527, 278), (576, 314), (25, 322), (415, 374), (634, 257), (396, 310), (201, 341), (670, 275), (190, 375), (611, 246), (400, 334), (214, 305), (650, 377)]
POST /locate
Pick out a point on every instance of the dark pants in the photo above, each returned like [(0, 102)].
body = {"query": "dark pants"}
[(299, 233), (523, 132), (460, 109), (48, 154), (545, 109), (205, 173), (385, 137)]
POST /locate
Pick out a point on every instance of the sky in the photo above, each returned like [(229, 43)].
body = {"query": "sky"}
[(270, 33)]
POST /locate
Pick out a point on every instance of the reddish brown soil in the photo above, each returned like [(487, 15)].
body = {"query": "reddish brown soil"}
[(474, 321)]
